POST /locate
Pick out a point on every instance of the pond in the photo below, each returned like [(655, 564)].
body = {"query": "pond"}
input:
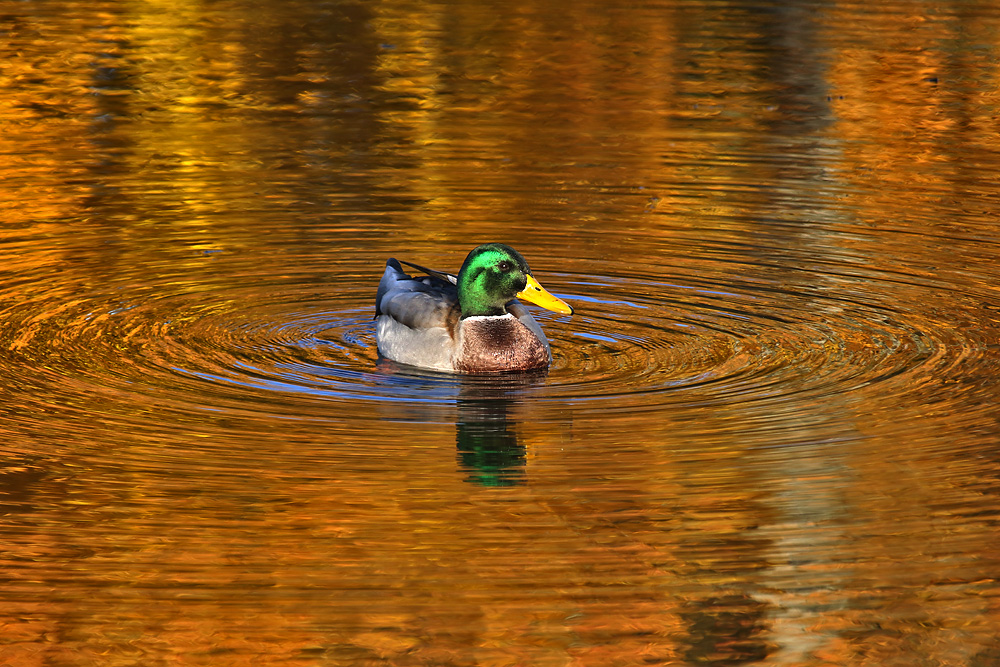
[(769, 433)]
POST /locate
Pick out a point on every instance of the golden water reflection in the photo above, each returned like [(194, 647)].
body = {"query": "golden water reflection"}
[(768, 433)]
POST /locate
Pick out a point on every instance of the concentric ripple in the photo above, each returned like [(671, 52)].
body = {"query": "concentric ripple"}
[(633, 345), (666, 342)]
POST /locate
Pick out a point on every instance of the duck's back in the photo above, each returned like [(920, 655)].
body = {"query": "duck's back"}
[(416, 319)]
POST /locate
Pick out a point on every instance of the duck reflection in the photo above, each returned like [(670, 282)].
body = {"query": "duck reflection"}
[(489, 450)]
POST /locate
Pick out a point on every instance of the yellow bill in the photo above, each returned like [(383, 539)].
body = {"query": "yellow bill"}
[(539, 296)]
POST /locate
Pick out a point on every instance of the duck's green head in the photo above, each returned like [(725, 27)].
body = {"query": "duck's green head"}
[(494, 274)]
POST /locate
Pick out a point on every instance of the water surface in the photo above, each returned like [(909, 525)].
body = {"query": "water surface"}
[(769, 433)]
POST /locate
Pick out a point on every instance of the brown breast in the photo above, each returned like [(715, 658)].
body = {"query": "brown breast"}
[(490, 345)]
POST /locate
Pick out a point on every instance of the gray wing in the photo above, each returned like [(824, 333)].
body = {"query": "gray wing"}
[(422, 302)]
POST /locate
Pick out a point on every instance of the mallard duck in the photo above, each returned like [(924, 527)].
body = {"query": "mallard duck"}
[(469, 323)]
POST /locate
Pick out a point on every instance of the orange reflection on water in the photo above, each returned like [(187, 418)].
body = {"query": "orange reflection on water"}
[(772, 437)]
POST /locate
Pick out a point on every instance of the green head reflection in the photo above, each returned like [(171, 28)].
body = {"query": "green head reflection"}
[(489, 450)]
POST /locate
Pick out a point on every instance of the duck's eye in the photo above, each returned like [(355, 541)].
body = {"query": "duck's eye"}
[(504, 266)]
